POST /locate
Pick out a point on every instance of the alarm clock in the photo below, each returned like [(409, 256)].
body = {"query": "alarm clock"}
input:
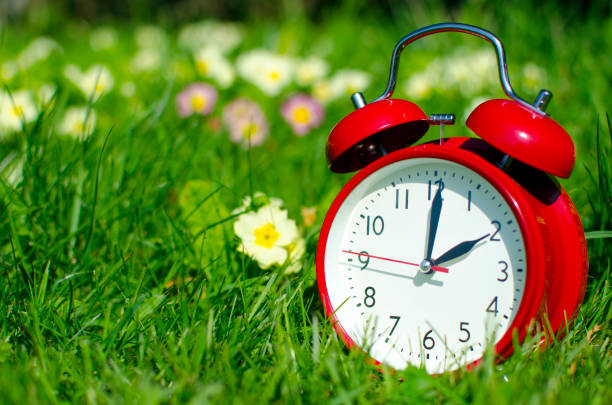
[(433, 253)]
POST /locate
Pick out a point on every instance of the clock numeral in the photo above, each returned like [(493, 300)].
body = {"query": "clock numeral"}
[(369, 300), (463, 328), (397, 199), (440, 184), (493, 306), (504, 271), (428, 341), (493, 237), (364, 260), (469, 200), (396, 319), (377, 225)]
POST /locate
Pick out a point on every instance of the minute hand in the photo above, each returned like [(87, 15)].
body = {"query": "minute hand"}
[(458, 250)]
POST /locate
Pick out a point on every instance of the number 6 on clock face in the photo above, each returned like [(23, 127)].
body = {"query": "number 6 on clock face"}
[(423, 263)]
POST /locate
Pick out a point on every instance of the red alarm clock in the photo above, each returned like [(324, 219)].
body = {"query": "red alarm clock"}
[(431, 253)]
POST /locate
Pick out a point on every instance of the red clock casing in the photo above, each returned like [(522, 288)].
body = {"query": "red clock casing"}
[(554, 239)]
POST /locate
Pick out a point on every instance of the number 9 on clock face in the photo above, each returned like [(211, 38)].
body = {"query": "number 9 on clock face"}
[(424, 264)]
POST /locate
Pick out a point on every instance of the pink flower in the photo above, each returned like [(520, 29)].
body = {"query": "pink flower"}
[(246, 122), (197, 98), (303, 113)]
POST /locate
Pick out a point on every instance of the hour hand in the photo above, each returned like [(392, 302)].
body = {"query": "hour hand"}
[(458, 250)]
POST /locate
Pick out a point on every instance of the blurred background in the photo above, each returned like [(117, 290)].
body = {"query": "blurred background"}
[(150, 51), (179, 11)]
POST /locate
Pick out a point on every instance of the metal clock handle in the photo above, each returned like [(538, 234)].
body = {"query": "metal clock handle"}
[(538, 106)]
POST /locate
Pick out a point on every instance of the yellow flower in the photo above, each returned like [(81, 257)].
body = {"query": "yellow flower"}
[(267, 235)]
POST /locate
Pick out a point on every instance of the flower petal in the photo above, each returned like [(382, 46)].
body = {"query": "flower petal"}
[(265, 257)]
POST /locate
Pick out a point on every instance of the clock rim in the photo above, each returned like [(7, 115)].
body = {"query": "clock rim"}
[(531, 306)]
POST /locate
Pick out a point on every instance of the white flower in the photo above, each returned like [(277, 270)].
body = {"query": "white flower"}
[(78, 122), (93, 83), (268, 71), (296, 254), (466, 71), (266, 235), (103, 38), (322, 91), (38, 50), (150, 36), (348, 81), (471, 71), (534, 77), (210, 62), (9, 70), (483, 63), (146, 60), (127, 89), (457, 70), (418, 85), (222, 35), (16, 109), (309, 70)]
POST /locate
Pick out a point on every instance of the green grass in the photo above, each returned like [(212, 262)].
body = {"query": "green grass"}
[(110, 293)]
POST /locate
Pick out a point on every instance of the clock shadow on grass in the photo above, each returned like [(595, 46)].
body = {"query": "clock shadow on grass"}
[(418, 279)]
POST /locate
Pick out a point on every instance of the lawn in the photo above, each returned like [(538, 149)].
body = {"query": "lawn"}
[(130, 151)]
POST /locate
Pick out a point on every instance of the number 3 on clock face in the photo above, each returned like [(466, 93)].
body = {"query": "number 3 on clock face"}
[(424, 264)]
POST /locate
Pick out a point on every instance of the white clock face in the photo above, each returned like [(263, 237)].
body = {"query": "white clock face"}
[(425, 264)]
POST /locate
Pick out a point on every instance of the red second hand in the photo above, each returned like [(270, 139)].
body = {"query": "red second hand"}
[(434, 268)]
